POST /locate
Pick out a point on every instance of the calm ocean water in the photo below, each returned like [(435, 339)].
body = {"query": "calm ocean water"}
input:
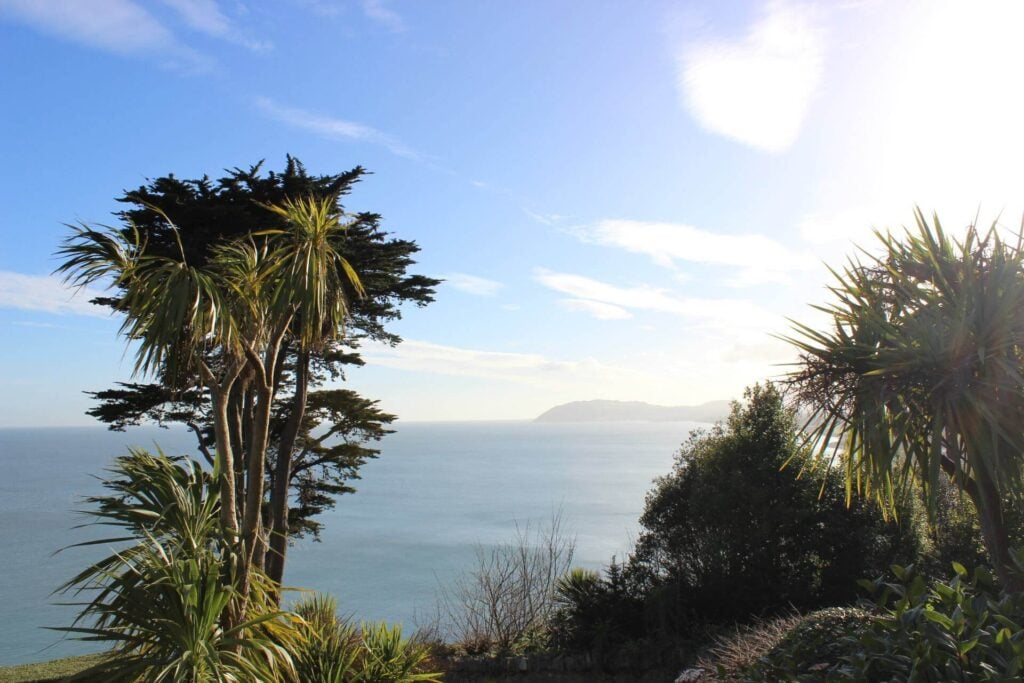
[(436, 491)]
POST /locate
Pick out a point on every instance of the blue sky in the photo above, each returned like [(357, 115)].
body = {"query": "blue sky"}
[(626, 199)]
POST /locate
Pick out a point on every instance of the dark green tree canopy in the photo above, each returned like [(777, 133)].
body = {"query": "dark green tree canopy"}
[(731, 532), (207, 212), (333, 428)]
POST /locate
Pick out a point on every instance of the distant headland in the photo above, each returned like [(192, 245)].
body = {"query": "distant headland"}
[(633, 411)]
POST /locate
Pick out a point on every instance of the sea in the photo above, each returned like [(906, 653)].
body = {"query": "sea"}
[(437, 494)]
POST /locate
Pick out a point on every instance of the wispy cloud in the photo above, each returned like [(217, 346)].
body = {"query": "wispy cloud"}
[(472, 284), (206, 17), (119, 26), (379, 11), (47, 294), (333, 128), (755, 89), (544, 218), (598, 309), (524, 368), (761, 258), (130, 28), (734, 312)]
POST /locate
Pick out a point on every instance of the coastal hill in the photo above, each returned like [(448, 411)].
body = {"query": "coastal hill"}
[(633, 411)]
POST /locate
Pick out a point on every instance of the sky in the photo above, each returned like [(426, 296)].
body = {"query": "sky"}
[(626, 200)]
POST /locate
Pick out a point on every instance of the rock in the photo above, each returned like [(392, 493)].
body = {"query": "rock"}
[(690, 676)]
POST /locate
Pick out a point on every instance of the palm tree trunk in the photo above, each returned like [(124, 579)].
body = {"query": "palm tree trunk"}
[(995, 536), (225, 460), (988, 504), (283, 472)]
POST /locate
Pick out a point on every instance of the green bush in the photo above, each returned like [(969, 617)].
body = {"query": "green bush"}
[(159, 602), (331, 650), (810, 648), (329, 647), (963, 629), (386, 657), (745, 526), (594, 612)]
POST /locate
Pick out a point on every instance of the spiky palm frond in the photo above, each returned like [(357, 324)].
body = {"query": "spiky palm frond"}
[(920, 370), (330, 646), (173, 310), (314, 270), (388, 657), (160, 601)]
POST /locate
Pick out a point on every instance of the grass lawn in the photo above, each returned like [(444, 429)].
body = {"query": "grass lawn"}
[(47, 672)]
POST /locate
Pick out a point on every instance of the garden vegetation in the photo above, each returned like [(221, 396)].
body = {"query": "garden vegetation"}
[(242, 297)]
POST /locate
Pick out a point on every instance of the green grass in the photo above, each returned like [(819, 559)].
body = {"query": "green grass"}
[(47, 672)]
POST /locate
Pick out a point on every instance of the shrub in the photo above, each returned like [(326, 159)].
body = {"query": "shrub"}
[(811, 647), (160, 602), (386, 657), (506, 602), (745, 526), (963, 629), (331, 650), (329, 647)]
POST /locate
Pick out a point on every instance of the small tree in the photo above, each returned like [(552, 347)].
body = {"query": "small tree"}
[(226, 322), (920, 374), (318, 436), (732, 532)]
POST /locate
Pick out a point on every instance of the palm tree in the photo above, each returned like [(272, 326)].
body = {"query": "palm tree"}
[(226, 323), (159, 601), (920, 373)]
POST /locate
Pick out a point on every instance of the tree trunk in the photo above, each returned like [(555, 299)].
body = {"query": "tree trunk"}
[(989, 506), (225, 460), (283, 472), (994, 533)]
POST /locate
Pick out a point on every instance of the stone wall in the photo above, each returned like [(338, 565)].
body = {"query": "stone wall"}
[(551, 668)]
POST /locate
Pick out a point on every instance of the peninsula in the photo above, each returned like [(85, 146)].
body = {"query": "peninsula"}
[(633, 411)]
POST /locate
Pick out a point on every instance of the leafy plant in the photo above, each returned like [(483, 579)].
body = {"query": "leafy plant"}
[(331, 650), (733, 532), (387, 657), (918, 375), (329, 647), (161, 601), (964, 629), (807, 647)]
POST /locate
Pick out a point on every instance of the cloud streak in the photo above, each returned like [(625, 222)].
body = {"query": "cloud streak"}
[(384, 15), (119, 26), (333, 128), (596, 309), (761, 259), (129, 28), (732, 312), (47, 294), (757, 89), (522, 368), (472, 284), (206, 17)]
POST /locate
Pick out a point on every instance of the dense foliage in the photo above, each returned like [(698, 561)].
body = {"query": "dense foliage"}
[(331, 650), (159, 602), (742, 526), (919, 373), (317, 437), (964, 629)]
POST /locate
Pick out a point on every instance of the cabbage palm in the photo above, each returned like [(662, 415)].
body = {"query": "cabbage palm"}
[(919, 373), (227, 323), (159, 601)]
